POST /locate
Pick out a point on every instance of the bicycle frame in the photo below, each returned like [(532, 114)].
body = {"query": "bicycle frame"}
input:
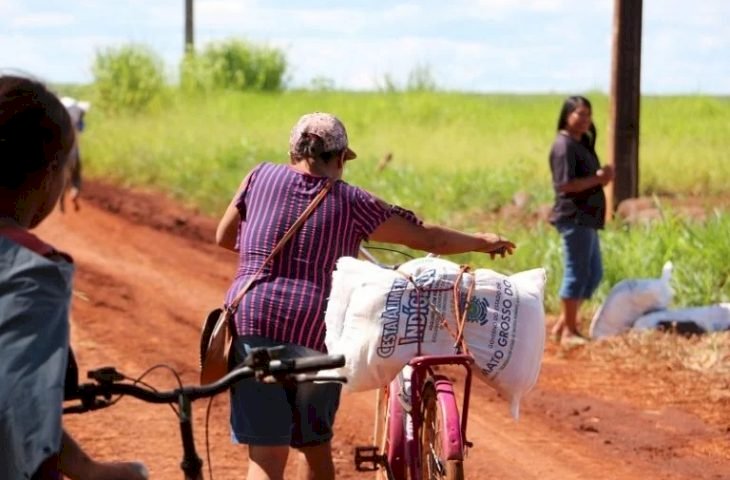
[(453, 433), (400, 417), (401, 413)]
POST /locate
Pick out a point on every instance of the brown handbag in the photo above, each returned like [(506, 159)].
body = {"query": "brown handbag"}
[(219, 328)]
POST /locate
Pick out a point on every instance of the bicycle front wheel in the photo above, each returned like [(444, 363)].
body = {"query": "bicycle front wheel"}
[(441, 442)]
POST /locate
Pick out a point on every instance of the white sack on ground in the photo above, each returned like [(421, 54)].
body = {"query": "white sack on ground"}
[(630, 299), (376, 318), (711, 318)]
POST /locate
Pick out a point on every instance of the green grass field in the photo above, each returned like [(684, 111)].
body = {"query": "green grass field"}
[(455, 157)]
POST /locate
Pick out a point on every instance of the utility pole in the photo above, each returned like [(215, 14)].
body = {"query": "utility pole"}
[(623, 129), (189, 43)]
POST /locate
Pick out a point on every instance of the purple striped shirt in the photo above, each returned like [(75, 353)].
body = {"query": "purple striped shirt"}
[(287, 303)]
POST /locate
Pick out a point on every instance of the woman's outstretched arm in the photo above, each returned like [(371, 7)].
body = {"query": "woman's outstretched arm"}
[(440, 240)]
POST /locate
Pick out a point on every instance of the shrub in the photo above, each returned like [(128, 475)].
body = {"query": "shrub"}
[(127, 77), (421, 79), (322, 84), (234, 65), (195, 74)]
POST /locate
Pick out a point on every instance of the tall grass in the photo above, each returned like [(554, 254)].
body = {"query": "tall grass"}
[(488, 147), (684, 144), (455, 157)]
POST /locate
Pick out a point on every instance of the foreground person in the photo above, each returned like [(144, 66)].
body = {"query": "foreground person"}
[(36, 137)]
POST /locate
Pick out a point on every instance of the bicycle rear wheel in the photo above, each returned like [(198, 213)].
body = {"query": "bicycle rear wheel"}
[(441, 443)]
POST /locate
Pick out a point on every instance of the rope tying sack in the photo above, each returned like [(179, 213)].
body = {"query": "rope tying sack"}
[(460, 308)]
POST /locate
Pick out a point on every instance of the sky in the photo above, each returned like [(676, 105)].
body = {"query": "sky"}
[(519, 46)]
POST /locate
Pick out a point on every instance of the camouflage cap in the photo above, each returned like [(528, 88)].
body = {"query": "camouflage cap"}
[(326, 126)]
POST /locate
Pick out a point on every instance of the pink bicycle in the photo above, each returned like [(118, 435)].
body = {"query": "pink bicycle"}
[(419, 432)]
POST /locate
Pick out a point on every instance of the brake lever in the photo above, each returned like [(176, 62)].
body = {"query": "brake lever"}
[(105, 375)]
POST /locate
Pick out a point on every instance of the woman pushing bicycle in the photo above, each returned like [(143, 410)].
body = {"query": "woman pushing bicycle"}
[(36, 137), (286, 293)]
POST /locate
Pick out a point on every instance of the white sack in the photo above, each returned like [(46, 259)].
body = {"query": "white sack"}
[(630, 299), (376, 317), (712, 318)]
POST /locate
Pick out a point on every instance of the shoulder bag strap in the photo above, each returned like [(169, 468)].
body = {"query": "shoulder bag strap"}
[(289, 233)]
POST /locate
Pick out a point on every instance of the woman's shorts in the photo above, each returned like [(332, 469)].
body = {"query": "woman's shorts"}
[(301, 415), (582, 263)]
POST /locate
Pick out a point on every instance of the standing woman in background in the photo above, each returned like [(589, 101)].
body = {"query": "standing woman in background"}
[(579, 211)]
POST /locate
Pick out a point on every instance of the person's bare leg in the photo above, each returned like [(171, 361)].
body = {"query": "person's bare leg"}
[(556, 332), (571, 307), (267, 462), (76, 464), (315, 463), (566, 331), (567, 324)]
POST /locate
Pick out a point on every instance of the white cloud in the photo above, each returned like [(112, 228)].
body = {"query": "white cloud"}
[(467, 65), (42, 20), (503, 9), (30, 55), (403, 12), (712, 42), (250, 16)]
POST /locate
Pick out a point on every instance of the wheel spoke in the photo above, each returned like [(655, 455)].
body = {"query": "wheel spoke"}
[(431, 437), (435, 462), (437, 465)]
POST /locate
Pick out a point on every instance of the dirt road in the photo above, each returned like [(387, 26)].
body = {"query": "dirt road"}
[(147, 274)]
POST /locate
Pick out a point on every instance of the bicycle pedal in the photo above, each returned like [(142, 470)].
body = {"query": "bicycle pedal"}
[(367, 459)]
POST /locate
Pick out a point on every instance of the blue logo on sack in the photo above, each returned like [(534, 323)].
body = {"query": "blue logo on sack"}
[(477, 311)]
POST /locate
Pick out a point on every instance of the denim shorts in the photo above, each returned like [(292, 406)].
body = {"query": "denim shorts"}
[(582, 264), (270, 414)]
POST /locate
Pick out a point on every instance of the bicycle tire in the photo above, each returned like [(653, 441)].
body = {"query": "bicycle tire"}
[(441, 442)]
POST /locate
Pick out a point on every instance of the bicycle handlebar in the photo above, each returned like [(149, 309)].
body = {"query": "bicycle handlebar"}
[(259, 363)]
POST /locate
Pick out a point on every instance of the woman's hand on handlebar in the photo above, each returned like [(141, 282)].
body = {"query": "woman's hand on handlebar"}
[(496, 245)]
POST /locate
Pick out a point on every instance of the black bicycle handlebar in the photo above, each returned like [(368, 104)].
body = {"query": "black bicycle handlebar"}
[(259, 364)]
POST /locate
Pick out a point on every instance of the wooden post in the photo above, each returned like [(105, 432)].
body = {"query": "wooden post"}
[(189, 41), (623, 128)]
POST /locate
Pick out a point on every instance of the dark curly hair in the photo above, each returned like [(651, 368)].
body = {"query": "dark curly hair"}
[(35, 130)]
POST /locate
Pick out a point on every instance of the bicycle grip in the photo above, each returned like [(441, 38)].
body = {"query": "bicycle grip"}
[(314, 363)]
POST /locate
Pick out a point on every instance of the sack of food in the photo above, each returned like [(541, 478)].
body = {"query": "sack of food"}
[(710, 318), (630, 299), (380, 319)]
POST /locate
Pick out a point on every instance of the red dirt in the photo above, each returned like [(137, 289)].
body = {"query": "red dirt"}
[(147, 273)]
